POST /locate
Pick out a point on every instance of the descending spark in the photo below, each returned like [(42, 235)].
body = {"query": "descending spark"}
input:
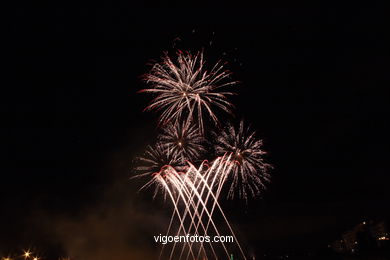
[(215, 196), (185, 187), (195, 172), (184, 194), (190, 199), (180, 184), (179, 181), (207, 212), (171, 195), (165, 179), (183, 141), (250, 170), (185, 90), (221, 175), (200, 221), (188, 187), (215, 167)]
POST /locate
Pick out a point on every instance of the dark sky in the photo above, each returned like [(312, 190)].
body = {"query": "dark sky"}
[(314, 84)]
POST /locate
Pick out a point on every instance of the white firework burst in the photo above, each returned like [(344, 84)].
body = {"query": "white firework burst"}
[(156, 163), (250, 172), (182, 140), (185, 90)]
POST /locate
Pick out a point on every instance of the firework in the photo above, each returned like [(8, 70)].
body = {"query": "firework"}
[(156, 162), (183, 141), (194, 189), (27, 254), (187, 94), (185, 90), (249, 170), (155, 158)]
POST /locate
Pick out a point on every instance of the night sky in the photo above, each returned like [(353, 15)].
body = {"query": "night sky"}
[(313, 83)]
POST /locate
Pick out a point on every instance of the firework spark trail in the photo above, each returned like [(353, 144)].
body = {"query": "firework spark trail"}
[(224, 216), (196, 229), (191, 199), (187, 209), (208, 214), (186, 88), (187, 202), (178, 232), (216, 203), (191, 185), (153, 160), (195, 207), (170, 175), (159, 180), (206, 201), (180, 227), (175, 206), (172, 198), (187, 186), (170, 225), (208, 174)]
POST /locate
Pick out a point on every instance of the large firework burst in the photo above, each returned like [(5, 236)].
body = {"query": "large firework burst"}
[(249, 170), (185, 90), (182, 140)]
